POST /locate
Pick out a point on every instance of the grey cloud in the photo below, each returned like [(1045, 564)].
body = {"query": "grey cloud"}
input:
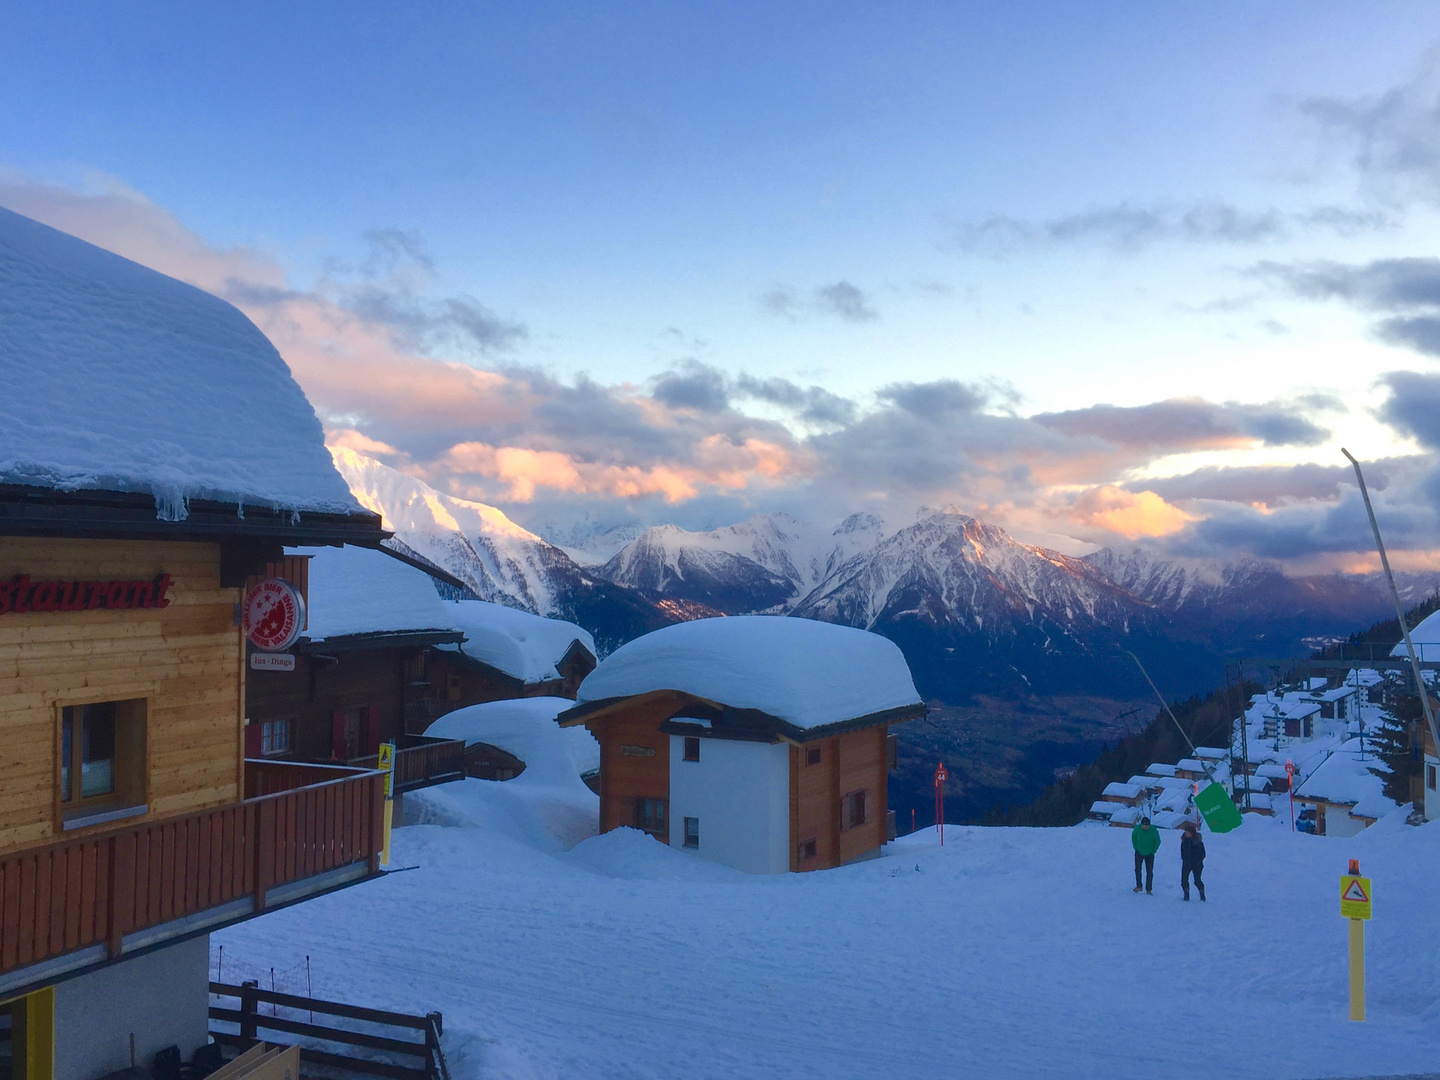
[(1410, 288), (1130, 227), (694, 386), (1414, 405), (435, 326), (1394, 137), (944, 399), (842, 300), (1306, 529), (846, 301), (1186, 423), (1271, 484), (813, 404)]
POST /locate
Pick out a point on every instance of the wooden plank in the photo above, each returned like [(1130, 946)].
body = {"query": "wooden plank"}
[(154, 883), (10, 915), (166, 885), (122, 891), (29, 898), (72, 899), (203, 896), (89, 857)]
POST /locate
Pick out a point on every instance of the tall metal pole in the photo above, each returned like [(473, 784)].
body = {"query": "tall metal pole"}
[(1395, 596)]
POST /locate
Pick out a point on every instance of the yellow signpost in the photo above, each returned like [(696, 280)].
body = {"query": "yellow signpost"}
[(386, 765), (1355, 895)]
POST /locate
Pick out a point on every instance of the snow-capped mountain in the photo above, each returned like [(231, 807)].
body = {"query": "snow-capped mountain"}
[(950, 569), (767, 563), (501, 561)]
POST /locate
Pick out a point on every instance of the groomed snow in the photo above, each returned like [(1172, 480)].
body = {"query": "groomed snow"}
[(1008, 953), (806, 673), (524, 646), (355, 590), (119, 378), (526, 728)]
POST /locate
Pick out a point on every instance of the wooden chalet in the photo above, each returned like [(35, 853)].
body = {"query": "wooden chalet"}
[(155, 454), (759, 742)]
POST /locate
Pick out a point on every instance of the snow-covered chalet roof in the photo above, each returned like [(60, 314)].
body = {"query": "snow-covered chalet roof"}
[(1345, 777), (117, 378), (355, 590), (805, 673), (1160, 768), (1425, 637), (1122, 791), (524, 646), (525, 727)]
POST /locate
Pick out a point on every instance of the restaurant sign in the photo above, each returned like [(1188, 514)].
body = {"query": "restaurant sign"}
[(21, 596), (273, 615)]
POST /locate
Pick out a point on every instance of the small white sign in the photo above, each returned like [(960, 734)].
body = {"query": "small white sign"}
[(272, 661)]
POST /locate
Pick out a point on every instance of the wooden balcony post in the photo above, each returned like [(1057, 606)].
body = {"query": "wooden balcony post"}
[(249, 1006), (264, 840)]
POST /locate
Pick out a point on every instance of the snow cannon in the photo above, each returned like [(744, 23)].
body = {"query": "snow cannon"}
[(1217, 808)]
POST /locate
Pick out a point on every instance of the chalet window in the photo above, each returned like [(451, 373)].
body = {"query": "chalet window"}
[(812, 755), (650, 815), (275, 736), (807, 850), (692, 751), (102, 756), (1430, 777), (852, 814), (452, 687), (692, 832)]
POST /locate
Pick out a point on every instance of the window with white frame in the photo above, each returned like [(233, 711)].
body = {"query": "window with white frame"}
[(692, 832), (275, 736)]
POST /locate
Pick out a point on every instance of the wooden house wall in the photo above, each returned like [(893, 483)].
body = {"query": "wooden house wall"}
[(854, 761), (186, 660), (459, 683), (624, 778)]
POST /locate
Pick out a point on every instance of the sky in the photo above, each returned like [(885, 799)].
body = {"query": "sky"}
[(1102, 274)]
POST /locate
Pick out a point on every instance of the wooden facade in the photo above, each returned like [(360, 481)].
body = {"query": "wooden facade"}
[(838, 777), (183, 661)]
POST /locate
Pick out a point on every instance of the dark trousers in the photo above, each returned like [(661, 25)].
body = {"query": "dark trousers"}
[(1185, 871), (1149, 863)]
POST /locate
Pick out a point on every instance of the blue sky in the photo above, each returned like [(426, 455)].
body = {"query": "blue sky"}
[(644, 212)]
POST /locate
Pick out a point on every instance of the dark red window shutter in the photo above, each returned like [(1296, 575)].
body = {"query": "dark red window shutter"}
[(337, 736), (252, 739), (372, 742)]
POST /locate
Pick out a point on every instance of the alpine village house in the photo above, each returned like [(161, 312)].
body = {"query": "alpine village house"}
[(760, 742), (155, 455)]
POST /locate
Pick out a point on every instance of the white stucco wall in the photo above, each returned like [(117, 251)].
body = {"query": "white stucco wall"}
[(740, 791), (163, 997)]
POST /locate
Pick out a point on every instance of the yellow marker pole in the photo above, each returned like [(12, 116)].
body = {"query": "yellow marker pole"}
[(386, 764), (1357, 969)]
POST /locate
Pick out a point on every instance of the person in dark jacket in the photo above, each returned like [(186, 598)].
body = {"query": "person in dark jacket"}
[(1192, 859), (1145, 839)]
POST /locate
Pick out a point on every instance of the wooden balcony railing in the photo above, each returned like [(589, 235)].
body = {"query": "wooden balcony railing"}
[(103, 895), (422, 761)]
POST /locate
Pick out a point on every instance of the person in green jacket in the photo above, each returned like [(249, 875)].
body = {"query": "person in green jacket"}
[(1145, 839)]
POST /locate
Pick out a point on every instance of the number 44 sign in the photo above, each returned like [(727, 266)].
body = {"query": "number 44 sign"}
[(1354, 897)]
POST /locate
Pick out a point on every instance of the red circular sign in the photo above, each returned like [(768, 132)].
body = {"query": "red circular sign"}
[(273, 615)]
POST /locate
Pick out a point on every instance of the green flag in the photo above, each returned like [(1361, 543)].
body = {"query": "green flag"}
[(1217, 809)]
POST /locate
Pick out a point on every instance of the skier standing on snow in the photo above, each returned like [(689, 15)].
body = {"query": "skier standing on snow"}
[(1145, 839), (1192, 859)]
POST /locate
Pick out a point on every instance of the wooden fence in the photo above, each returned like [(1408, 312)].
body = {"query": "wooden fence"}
[(402, 1046), (96, 889), (421, 761)]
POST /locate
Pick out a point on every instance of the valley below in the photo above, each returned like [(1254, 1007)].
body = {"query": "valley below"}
[(1001, 749)]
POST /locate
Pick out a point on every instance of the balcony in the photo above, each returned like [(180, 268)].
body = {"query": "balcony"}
[(422, 761), (302, 830)]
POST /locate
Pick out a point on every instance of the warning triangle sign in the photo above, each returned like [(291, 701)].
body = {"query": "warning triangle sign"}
[(1355, 892)]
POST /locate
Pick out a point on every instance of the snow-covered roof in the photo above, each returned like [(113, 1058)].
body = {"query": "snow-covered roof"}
[(1144, 782), (524, 646), (1259, 800), (1271, 771), (1345, 777), (1211, 753), (1127, 815), (1174, 783), (1159, 768), (1333, 694), (1425, 637), (1123, 791), (1189, 765), (118, 378), (805, 673), (1103, 808), (355, 590), (525, 727)]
